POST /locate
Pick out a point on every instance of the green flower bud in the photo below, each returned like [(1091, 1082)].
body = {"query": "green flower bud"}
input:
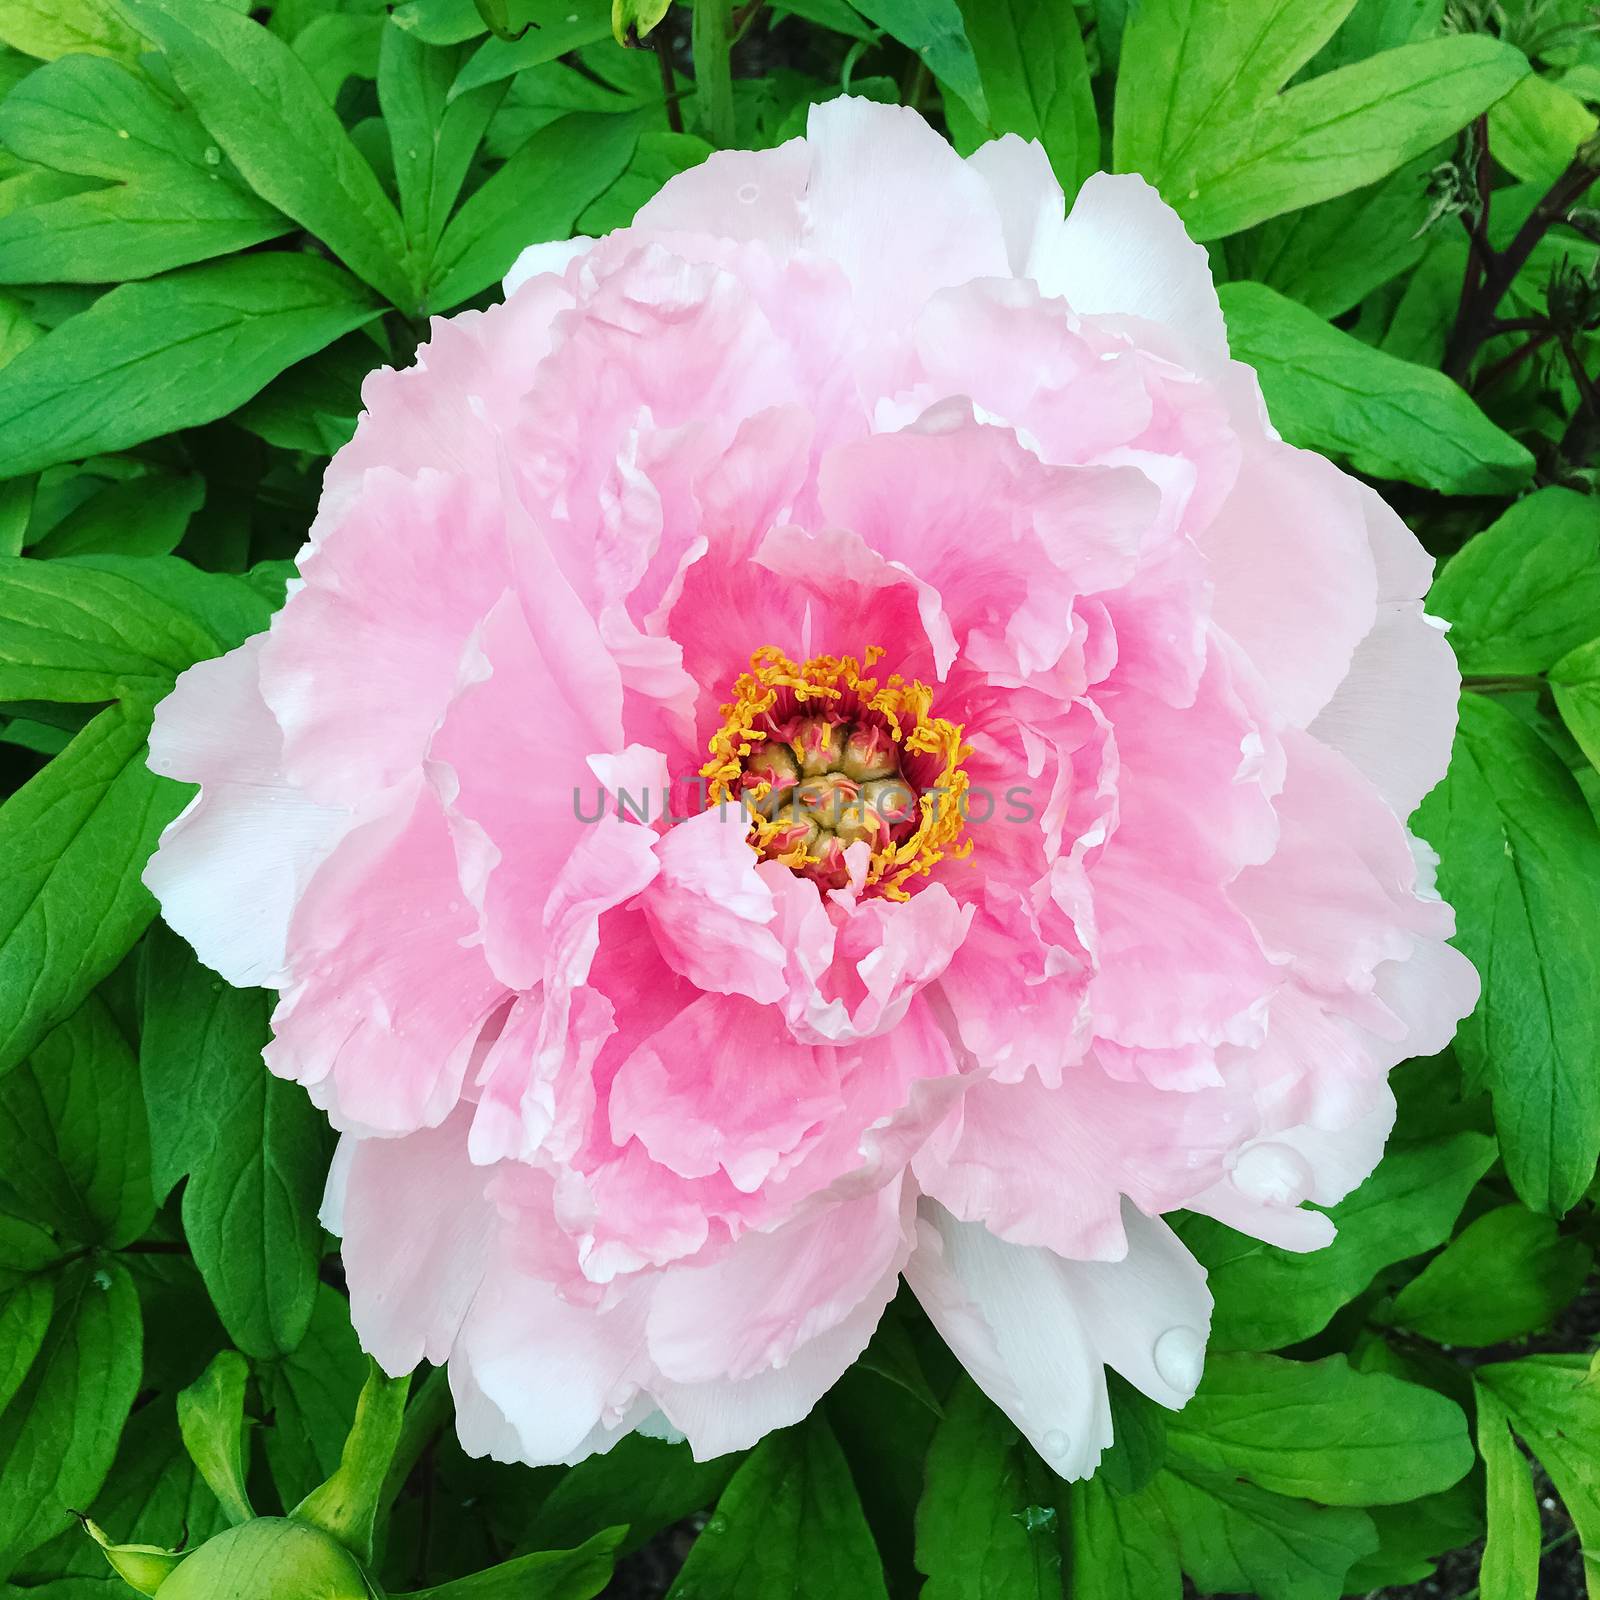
[(272, 1558)]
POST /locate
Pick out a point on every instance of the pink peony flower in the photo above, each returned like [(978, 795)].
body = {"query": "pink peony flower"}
[(1039, 731)]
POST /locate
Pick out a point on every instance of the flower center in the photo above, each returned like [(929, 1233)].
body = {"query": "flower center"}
[(823, 757)]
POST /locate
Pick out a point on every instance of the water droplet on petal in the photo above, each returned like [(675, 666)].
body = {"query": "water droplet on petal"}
[(1179, 1355), (1275, 1174), (749, 193), (1055, 1443)]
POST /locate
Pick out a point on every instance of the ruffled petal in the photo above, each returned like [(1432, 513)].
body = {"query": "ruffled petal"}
[(387, 994), (231, 869), (710, 909)]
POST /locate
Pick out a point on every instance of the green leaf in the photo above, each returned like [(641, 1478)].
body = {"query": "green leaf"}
[(1345, 130), (178, 350), (152, 1495), (891, 1354), (646, 1483), (1330, 257), (311, 1396), (1319, 1430), (264, 109), (1510, 1568), (1199, 113), (211, 1419), (346, 1506), (1190, 68), (1267, 1297), (576, 1574), (933, 30), (25, 1249), (73, 841), (559, 26), (566, 164), (988, 1524), (1526, 590), (255, 1148), (1411, 1537), (17, 332), (1554, 1404), (1507, 1274), (1035, 80), (656, 158), (59, 1434), (441, 21), (633, 20), (94, 628), (143, 516), (1536, 129), (51, 28), (789, 1523), (24, 1320), (1120, 1546), (338, 46), (1575, 683), (1138, 1438), (1235, 1538), (433, 133), (73, 1151), (170, 202), (1519, 856), (1328, 391), (313, 406)]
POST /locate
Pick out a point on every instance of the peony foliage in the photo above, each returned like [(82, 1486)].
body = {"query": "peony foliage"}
[(1173, 425)]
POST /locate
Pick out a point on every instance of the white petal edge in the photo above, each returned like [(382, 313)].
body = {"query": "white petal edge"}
[(1123, 251)]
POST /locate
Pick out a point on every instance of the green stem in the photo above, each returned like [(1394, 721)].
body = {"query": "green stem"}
[(1506, 683), (713, 69)]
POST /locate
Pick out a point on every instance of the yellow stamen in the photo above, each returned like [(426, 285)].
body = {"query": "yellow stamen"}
[(905, 708)]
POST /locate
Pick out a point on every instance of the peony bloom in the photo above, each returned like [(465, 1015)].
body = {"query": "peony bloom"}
[(826, 740)]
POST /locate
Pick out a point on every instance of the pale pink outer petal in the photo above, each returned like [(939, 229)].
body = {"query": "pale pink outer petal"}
[(553, 257), (866, 159), (388, 995), (1025, 193), (1395, 713), (230, 870), (1149, 1314), (719, 1417), (755, 195), (1295, 580), (1123, 251), (534, 1375), (384, 612), (417, 1232), (1002, 1163), (775, 1292), (1010, 1315)]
